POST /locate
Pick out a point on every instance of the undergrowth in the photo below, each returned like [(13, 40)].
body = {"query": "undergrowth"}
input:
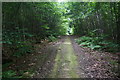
[(52, 38), (17, 44), (97, 42), (17, 74)]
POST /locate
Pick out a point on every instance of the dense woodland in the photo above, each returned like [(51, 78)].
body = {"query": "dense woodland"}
[(27, 23), (98, 20), (91, 16)]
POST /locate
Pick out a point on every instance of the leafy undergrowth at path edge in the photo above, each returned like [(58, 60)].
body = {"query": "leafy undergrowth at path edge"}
[(52, 38), (9, 73), (98, 42), (14, 74), (23, 48)]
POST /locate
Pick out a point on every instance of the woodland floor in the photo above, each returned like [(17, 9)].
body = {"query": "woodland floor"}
[(64, 58)]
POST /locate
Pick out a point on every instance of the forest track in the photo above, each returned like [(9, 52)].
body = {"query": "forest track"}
[(72, 61), (66, 64)]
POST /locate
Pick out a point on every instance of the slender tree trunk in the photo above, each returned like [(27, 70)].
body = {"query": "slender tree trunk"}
[(118, 24)]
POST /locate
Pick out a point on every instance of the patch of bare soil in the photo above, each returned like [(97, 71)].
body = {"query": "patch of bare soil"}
[(96, 64)]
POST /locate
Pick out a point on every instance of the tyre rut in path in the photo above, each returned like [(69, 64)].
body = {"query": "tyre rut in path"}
[(66, 64)]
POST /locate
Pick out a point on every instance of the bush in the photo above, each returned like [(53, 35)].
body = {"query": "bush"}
[(97, 42), (22, 47), (84, 39), (16, 43)]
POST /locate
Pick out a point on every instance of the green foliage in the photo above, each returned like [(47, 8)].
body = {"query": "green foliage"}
[(95, 15), (23, 49), (94, 42), (52, 38), (28, 23), (8, 74), (15, 41), (92, 46), (84, 39), (19, 74), (6, 65), (45, 26)]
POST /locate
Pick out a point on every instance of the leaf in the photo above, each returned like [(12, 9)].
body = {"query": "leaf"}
[(45, 26)]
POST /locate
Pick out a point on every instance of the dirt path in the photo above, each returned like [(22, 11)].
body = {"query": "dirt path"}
[(68, 60), (66, 64)]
